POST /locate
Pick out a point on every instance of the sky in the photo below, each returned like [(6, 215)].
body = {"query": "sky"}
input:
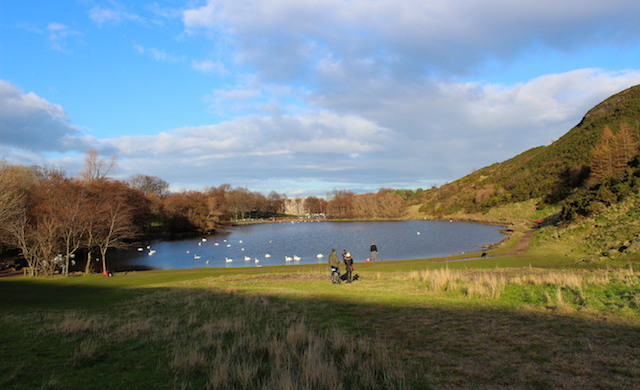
[(304, 97)]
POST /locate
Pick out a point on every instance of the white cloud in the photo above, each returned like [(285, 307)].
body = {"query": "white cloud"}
[(59, 34), (313, 133), (114, 15), (442, 133), (286, 39), (29, 122), (159, 55), (209, 66)]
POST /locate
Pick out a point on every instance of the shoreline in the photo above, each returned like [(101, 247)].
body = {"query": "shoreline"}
[(506, 231)]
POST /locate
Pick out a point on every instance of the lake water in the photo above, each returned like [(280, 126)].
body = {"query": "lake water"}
[(269, 244)]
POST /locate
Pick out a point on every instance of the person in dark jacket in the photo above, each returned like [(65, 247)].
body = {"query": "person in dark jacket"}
[(374, 251), (348, 262)]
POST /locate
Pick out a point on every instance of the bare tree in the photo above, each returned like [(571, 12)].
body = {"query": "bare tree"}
[(75, 215), (315, 205), (11, 201), (239, 202), (341, 204), (96, 168), (149, 185)]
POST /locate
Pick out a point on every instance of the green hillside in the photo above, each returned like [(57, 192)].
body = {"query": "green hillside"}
[(549, 173)]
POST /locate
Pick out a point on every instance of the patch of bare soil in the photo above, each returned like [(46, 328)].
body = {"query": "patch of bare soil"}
[(522, 244)]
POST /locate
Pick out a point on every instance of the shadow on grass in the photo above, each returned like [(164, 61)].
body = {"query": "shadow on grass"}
[(56, 335)]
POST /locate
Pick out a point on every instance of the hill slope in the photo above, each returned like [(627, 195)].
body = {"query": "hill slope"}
[(546, 172)]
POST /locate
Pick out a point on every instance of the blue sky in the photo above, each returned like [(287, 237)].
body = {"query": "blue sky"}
[(304, 97)]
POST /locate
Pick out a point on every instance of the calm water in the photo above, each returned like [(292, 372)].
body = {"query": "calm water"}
[(269, 244)]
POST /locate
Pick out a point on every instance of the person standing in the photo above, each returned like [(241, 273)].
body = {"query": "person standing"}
[(374, 251), (348, 262), (334, 263)]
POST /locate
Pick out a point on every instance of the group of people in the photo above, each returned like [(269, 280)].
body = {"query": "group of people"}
[(334, 264)]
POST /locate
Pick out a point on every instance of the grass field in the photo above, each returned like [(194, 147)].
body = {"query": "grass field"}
[(508, 322)]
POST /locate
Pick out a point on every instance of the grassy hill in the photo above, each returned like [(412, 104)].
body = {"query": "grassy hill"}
[(548, 173)]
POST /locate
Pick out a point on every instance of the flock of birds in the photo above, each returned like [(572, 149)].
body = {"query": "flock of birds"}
[(287, 259)]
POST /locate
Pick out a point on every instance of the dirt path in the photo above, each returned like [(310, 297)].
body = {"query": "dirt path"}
[(522, 244)]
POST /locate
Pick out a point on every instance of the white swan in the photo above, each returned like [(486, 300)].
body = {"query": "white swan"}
[(228, 260), (247, 258), (288, 258), (319, 255), (196, 257), (296, 258), (267, 255)]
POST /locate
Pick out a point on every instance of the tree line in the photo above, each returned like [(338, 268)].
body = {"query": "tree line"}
[(56, 223)]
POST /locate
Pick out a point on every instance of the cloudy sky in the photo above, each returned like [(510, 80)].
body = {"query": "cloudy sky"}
[(304, 96)]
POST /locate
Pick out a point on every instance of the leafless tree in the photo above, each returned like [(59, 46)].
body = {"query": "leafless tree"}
[(149, 185), (96, 168)]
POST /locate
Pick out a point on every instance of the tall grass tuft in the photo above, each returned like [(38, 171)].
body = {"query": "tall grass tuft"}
[(74, 322), (84, 352)]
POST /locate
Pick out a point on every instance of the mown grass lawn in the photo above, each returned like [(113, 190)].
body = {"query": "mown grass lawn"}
[(506, 322)]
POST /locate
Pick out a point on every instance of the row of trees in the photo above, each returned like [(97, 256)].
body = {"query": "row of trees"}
[(50, 218), (56, 222)]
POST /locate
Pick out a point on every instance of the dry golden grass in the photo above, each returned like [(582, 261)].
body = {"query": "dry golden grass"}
[(489, 283), (74, 322), (241, 343)]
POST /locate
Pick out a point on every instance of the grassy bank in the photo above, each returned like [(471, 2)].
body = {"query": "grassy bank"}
[(492, 323)]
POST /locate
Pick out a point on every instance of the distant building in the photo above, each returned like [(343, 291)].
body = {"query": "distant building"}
[(294, 206)]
